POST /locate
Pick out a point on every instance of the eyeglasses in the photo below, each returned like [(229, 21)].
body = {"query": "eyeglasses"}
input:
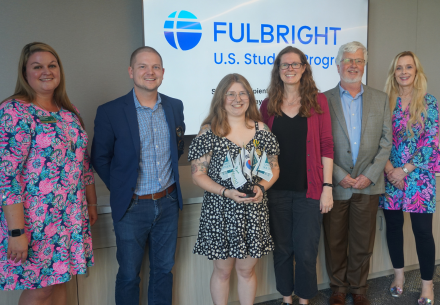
[(295, 65), (231, 96), (357, 61)]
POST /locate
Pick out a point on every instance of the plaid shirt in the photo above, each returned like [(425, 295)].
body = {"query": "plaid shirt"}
[(155, 172)]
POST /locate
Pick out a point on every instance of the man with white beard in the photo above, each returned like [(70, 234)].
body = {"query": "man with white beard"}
[(362, 135)]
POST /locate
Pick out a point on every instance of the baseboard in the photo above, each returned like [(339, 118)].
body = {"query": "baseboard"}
[(263, 298), (274, 296)]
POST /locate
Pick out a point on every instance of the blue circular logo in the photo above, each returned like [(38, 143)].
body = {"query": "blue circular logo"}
[(182, 30)]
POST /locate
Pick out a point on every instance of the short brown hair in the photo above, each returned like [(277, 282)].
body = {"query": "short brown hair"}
[(144, 49), (217, 117), (307, 88)]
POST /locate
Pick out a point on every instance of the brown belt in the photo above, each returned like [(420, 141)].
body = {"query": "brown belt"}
[(157, 195)]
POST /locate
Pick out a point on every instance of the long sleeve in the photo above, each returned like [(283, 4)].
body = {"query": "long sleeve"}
[(426, 155), (325, 129), (375, 169), (15, 144), (103, 146)]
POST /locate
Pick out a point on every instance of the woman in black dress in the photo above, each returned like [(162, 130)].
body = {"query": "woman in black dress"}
[(233, 230)]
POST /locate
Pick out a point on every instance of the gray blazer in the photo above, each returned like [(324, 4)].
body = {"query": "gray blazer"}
[(376, 142)]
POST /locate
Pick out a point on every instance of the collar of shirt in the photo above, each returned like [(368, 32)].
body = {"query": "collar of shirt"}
[(342, 91), (138, 105)]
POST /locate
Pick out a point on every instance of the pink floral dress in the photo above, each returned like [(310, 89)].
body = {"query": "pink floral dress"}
[(419, 192), (45, 166)]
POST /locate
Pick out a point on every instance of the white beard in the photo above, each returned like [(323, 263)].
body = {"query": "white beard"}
[(352, 80)]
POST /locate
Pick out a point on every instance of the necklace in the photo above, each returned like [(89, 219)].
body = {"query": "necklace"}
[(406, 96), (295, 101), (51, 119)]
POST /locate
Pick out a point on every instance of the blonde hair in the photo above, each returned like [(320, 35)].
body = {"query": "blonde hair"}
[(218, 117), (24, 91), (417, 106)]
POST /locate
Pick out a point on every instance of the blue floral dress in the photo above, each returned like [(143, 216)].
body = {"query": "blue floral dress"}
[(418, 194)]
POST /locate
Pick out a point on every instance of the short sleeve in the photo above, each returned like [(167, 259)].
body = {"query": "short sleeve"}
[(271, 145), (200, 146), (15, 142)]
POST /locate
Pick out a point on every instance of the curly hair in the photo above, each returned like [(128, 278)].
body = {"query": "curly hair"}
[(307, 88), (218, 117)]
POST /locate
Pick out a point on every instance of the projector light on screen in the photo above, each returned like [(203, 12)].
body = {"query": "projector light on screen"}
[(202, 41)]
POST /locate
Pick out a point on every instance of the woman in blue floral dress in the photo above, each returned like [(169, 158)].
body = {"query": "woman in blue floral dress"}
[(410, 173), (45, 183)]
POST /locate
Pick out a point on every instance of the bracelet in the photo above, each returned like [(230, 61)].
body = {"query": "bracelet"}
[(223, 193), (405, 170), (92, 205), (221, 190), (328, 184)]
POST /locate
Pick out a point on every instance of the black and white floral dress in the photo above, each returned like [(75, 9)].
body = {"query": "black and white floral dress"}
[(228, 228)]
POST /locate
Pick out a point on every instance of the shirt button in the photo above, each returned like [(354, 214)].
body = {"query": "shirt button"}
[(351, 114), (160, 179), (308, 155), (351, 167), (157, 146), (155, 128), (354, 127), (348, 151), (308, 170), (158, 162), (355, 143)]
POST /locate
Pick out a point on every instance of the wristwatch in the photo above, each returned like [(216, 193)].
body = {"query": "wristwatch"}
[(405, 170), (261, 187), (16, 232)]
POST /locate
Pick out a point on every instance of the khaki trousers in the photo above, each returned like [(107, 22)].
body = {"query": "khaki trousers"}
[(349, 231)]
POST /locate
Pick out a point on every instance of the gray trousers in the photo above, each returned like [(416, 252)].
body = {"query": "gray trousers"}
[(295, 224)]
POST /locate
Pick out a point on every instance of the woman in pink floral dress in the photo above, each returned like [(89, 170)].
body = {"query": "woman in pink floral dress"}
[(45, 183)]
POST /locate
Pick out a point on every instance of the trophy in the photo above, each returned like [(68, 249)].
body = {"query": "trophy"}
[(245, 167)]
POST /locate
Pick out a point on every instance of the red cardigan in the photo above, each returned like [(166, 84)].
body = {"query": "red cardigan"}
[(319, 143)]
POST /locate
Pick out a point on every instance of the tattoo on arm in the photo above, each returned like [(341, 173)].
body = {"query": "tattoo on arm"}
[(273, 161), (201, 164), (265, 127), (204, 129)]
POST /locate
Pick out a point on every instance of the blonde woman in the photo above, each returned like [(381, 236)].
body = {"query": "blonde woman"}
[(47, 190), (410, 172)]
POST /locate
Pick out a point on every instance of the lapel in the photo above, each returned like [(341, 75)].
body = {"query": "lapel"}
[(169, 115), (336, 104), (366, 102), (131, 115)]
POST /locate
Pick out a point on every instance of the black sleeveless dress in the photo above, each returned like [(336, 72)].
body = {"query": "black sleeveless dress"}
[(228, 228)]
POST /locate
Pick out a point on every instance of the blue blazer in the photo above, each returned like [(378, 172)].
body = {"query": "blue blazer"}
[(116, 147)]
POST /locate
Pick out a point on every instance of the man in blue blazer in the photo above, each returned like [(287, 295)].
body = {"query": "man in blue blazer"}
[(137, 144)]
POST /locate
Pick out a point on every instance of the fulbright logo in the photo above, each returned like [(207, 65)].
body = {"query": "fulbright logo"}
[(182, 30)]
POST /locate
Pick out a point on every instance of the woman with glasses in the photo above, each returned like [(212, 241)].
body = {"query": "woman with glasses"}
[(299, 117), (234, 229), (410, 184)]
